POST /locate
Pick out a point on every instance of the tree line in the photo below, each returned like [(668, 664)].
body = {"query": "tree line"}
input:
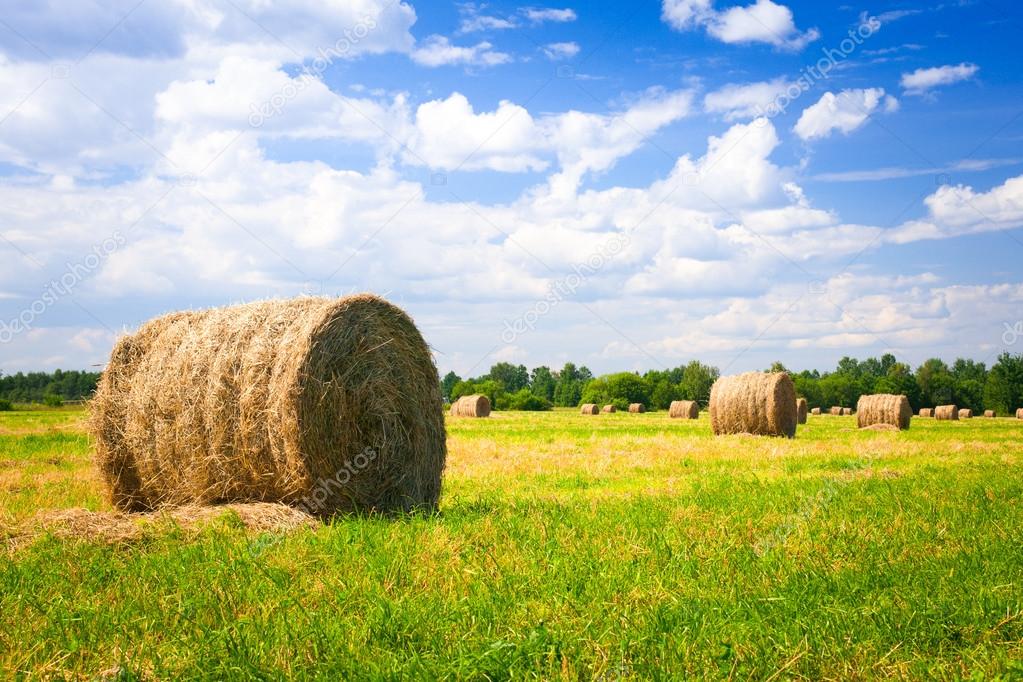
[(965, 383), (38, 387)]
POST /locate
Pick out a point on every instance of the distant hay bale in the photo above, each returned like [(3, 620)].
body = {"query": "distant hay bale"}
[(636, 408), (475, 405), (608, 409), (946, 412), (926, 411), (331, 405), (590, 408), (846, 411), (836, 411), (966, 413), (1019, 413), (815, 411), (883, 408), (684, 409), (756, 402), (801, 410), (990, 414)]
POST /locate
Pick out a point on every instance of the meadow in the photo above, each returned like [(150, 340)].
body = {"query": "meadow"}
[(622, 546)]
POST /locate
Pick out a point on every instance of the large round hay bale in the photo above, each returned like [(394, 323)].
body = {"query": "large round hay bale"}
[(756, 402), (815, 411), (684, 409), (801, 410), (636, 408), (475, 405), (328, 404), (608, 409), (990, 414), (590, 408), (946, 412), (883, 408), (836, 411), (926, 411), (966, 413)]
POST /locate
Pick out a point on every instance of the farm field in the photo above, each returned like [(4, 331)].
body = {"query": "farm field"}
[(622, 546)]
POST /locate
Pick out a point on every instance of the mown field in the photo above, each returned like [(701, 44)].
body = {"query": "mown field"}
[(567, 547)]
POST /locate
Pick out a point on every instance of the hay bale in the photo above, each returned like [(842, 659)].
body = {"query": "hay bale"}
[(1019, 413), (756, 402), (608, 409), (883, 408), (846, 411), (966, 413), (636, 408), (327, 404), (684, 409), (836, 411), (815, 411), (946, 412), (801, 410), (926, 411), (990, 414), (475, 405), (590, 408)]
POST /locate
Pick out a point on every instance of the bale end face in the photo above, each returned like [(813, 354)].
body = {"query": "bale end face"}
[(758, 403)]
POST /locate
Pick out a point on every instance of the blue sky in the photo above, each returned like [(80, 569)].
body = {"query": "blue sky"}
[(625, 186)]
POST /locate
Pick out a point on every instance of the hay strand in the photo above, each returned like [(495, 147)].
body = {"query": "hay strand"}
[(756, 402), (883, 408)]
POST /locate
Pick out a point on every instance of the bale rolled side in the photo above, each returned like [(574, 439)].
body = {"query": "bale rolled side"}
[(684, 409), (636, 408), (926, 411), (883, 408), (801, 410), (329, 404), (475, 405), (608, 409), (590, 408), (756, 402), (966, 413), (946, 412), (990, 414)]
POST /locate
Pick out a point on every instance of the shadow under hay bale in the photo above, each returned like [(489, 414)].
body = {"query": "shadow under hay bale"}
[(590, 408), (801, 410), (471, 406), (684, 409), (757, 403), (636, 408), (946, 412), (329, 404), (608, 409), (883, 408), (926, 411)]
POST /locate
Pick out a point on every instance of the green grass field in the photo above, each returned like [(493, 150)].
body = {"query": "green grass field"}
[(609, 547)]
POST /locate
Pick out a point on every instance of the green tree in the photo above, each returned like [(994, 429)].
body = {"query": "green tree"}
[(899, 380), (448, 383), (524, 399), (511, 377), (936, 383), (1003, 390), (542, 383), (619, 390), (697, 379)]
